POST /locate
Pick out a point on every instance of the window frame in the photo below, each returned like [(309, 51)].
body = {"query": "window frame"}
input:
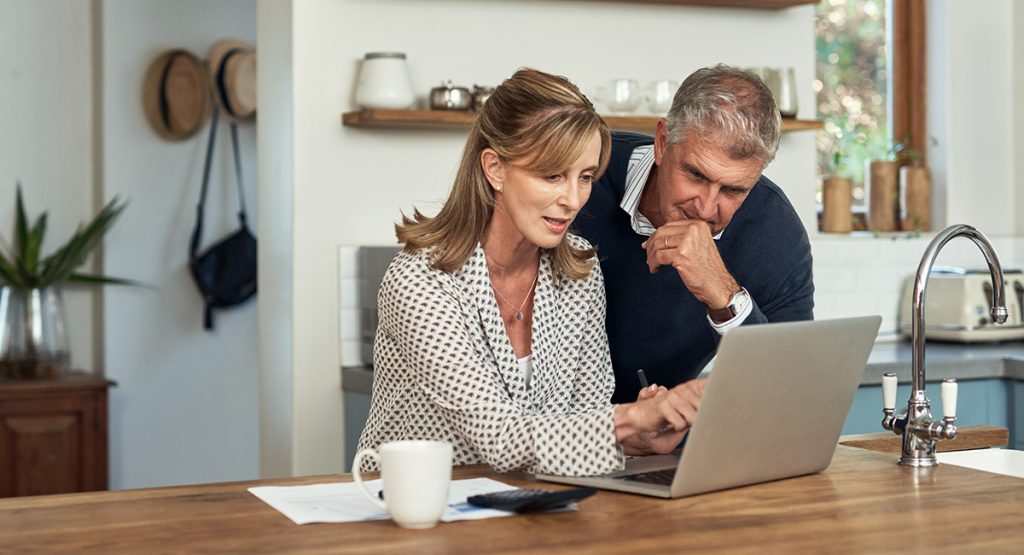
[(909, 106)]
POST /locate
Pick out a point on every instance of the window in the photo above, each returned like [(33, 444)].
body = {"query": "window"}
[(852, 76), (870, 82)]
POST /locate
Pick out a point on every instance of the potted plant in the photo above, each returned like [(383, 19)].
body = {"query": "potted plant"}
[(33, 338)]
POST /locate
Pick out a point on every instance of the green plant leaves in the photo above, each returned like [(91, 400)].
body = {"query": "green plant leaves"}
[(24, 269), (30, 255)]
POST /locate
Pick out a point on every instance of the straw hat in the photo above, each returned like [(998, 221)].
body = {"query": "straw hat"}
[(175, 94), (233, 78)]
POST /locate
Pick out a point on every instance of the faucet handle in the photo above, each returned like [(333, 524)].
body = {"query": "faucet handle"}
[(889, 391), (949, 389)]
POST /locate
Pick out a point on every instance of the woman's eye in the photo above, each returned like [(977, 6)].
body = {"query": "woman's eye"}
[(553, 178), (586, 179)]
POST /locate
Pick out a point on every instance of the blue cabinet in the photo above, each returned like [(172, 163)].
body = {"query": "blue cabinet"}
[(997, 402)]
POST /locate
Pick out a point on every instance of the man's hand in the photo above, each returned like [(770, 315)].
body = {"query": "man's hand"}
[(687, 246)]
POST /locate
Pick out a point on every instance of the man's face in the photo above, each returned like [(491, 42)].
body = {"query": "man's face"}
[(697, 180)]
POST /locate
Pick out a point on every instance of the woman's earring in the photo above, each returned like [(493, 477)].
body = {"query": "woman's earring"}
[(498, 189)]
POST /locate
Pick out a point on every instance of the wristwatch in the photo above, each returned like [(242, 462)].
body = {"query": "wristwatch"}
[(737, 303)]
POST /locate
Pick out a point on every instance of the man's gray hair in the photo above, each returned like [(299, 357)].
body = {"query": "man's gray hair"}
[(732, 108)]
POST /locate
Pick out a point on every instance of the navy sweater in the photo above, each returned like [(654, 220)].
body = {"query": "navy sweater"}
[(654, 322)]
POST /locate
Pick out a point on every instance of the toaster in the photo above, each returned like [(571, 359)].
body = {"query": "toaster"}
[(958, 303)]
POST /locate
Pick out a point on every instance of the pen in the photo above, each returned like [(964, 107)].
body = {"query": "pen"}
[(643, 378)]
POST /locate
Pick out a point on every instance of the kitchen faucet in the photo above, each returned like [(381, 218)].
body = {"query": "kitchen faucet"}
[(920, 431)]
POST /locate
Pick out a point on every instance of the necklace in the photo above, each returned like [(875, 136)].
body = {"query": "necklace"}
[(519, 312)]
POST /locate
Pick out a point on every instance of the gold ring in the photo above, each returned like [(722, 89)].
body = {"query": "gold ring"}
[(664, 241)]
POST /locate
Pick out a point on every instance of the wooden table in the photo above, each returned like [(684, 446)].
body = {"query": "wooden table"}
[(863, 503)]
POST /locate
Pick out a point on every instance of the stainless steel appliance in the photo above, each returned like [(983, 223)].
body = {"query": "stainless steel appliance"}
[(958, 304)]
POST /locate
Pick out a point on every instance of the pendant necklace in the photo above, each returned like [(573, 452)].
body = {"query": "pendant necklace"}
[(519, 312)]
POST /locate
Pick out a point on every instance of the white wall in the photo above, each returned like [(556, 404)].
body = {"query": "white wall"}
[(186, 406), (276, 146), (46, 96), (1018, 119), (977, 104)]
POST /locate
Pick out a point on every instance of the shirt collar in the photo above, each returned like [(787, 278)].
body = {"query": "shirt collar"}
[(641, 161)]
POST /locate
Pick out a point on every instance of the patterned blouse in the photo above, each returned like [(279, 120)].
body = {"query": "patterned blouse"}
[(444, 369)]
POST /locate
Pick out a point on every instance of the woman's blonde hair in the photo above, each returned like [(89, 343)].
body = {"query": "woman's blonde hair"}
[(531, 114)]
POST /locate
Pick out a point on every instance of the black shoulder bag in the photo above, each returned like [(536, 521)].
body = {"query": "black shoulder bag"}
[(226, 272)]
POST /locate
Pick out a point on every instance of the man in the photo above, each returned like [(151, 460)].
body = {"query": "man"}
[(693, 240)]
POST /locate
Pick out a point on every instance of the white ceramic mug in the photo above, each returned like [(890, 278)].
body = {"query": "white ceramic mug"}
[(414, 477)]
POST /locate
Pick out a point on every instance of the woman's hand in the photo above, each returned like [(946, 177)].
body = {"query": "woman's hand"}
[(659, 419)]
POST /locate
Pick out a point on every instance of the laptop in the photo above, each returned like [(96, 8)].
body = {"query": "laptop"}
[(774, 406)]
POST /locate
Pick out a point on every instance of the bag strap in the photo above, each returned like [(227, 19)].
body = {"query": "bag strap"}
[(197, 231), (238, 173)]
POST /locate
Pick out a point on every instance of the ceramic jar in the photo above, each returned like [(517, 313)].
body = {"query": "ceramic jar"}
[(384, 82)]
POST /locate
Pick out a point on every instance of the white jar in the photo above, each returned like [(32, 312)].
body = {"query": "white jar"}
[(384, 82)]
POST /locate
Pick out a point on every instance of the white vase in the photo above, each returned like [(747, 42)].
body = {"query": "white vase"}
[(33, 338)]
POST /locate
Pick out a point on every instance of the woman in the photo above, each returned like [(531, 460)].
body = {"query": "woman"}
[(491, 321)]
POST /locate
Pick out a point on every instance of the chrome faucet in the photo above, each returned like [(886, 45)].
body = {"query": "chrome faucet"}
[(920, 432)]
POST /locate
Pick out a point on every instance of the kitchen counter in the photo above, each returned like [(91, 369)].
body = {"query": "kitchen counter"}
[(863, 503), (942, 360)]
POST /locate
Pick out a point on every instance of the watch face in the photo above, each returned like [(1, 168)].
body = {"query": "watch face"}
[(739, 301)]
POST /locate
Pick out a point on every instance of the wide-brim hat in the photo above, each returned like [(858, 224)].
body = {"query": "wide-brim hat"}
[(175, 94), (232, 64)]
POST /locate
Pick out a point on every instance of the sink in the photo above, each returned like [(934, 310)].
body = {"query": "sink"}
[(999, 461)]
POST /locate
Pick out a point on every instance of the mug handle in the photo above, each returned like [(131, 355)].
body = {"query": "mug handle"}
[(359, 479)]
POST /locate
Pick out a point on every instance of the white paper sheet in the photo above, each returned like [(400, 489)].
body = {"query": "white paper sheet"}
[(343, 502)]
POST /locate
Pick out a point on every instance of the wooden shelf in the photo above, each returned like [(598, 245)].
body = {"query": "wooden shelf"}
[(459, 120), (759, 4)]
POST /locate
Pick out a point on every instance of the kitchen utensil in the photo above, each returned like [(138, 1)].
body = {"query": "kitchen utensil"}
[(786, 98), (480, 96), (620, 96), (659, 96), (450, 97), (384, 82)]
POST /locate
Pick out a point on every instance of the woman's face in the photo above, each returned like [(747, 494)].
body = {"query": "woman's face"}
[(539, 208)]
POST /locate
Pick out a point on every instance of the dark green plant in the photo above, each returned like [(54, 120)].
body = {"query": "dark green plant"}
[(22, 267)]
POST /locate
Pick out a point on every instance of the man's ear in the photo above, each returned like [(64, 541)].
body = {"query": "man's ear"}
[(494, 168), (660, 140)]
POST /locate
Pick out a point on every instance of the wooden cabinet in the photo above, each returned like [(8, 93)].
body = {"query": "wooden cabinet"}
[(53, 435)]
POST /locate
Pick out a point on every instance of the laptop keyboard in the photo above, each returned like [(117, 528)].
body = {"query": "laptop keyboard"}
[(659, 477)]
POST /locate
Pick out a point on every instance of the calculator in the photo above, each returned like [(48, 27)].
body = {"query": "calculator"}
[(527, 500)]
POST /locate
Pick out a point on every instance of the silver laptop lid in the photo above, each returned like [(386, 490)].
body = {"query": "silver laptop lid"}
[(775, 403)]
